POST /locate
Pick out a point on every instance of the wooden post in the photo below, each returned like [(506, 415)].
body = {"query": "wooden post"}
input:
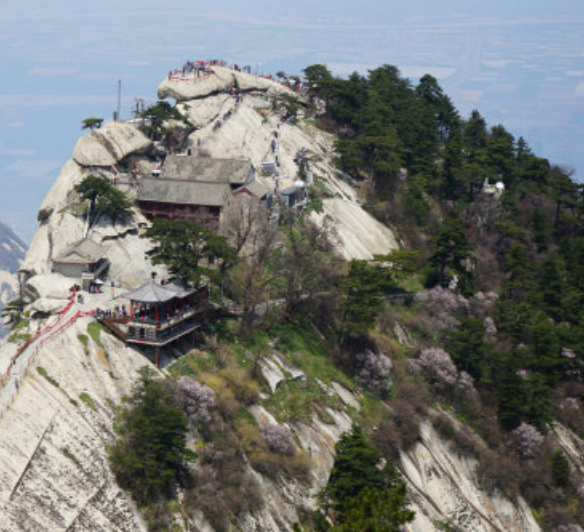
[(156, 352)]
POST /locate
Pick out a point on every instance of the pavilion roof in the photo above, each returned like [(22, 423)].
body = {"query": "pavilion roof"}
[(152, 292)]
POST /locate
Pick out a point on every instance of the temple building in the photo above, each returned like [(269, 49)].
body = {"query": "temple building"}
[(84, 260), (194, 188)]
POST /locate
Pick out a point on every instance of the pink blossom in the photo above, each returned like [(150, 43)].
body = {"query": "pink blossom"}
[(528, 439), (196, 399)]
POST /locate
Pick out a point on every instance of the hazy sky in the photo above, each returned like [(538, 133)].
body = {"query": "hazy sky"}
[(519, 62)]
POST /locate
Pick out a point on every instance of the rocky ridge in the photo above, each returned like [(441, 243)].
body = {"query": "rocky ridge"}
[(12, 252), (53, 468)]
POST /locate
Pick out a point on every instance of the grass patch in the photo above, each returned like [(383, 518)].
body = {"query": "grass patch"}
[(299, 400), (412, 284), (303, 348), (94, 330), (43, 372), (372, 412), (192, 364), (83, 339), (88, 400), (67, 453), (85, 342), (247, 416)]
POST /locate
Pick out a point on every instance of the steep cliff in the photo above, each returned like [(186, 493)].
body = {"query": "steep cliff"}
[(57, 404), (12, 252)]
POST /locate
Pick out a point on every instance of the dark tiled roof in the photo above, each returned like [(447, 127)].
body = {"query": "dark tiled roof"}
[(204, 169), (183, 192), (152, 292), (256, 188), (83, 251)]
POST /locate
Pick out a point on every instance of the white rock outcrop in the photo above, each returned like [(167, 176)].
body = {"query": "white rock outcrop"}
[(206, 110), (110, 144), (54, 474), (220, 79), (358, 234), (444, 488)]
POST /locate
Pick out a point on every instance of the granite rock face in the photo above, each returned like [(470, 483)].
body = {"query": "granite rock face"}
[(12, 252), (110, 144)]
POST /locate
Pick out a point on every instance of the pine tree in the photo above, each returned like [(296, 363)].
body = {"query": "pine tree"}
[(152, 434), (362, 289), (181, 245)]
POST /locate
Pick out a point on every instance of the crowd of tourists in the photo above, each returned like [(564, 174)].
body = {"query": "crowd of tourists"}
[(199, 68)]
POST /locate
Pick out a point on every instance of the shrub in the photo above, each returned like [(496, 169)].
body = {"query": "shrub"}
[(462, 441), (227, 404), (482, 303), (444, 426), (407, 422), (270, 461), (196, 399), (223, 488), (88, 400), (246, 390), (397, 432), (560, 468), (502, 472), (465, 444), (444, 306), (490, 329), (569, 528), (42, 371), (442, 372), (528, 440), (373, 372), (278, 439)]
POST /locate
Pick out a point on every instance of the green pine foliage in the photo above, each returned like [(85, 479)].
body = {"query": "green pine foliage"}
[(104, 199), (150, 452), (362, 289), (365, 494), (181, 245), (157, 117)]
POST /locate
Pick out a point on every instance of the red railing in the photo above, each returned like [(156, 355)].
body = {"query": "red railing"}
[(39, 333)]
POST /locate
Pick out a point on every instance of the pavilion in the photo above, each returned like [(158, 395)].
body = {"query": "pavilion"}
[(163, 313)]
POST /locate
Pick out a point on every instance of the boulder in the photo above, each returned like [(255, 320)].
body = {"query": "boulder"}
[(110, 144), (49, 306), (49, 286), (221, 79), (202, 112)]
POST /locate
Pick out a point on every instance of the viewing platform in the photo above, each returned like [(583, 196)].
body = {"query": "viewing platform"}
[(161, 314)]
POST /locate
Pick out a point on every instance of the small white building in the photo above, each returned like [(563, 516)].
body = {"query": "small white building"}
[(496, 190), (84, 260)]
